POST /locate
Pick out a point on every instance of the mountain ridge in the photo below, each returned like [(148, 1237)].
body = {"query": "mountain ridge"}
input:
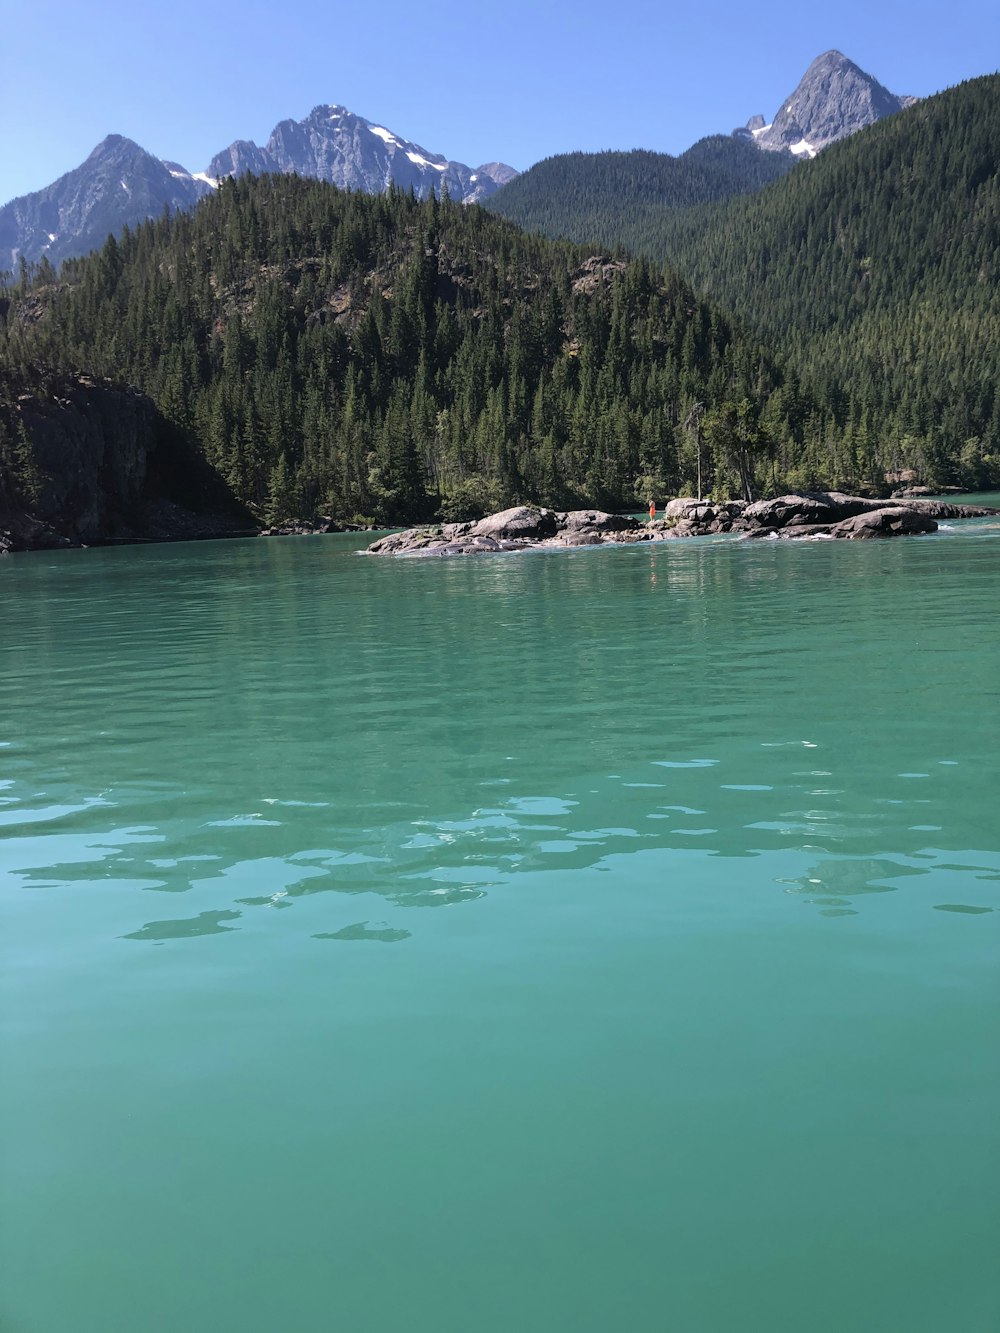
[(335, 145), (77, 211), (118, 184), (589, 196)]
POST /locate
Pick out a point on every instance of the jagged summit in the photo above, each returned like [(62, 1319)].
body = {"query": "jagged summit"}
[(335, 145), (118, 185), (834, 98)]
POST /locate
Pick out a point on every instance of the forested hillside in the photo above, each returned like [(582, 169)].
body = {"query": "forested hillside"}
[(381, 357), (618, 199), (879, 263), (875, 266)]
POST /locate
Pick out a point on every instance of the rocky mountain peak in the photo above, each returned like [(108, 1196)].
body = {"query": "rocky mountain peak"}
[(119, 184), (335, 145), (834, 98)]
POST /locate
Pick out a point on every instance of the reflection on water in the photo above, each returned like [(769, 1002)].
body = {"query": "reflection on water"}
[(205, 923), (713, 973), (361, 931), (817, 852)]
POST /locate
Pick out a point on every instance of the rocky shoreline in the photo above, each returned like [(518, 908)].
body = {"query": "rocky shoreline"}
[(814, 514)]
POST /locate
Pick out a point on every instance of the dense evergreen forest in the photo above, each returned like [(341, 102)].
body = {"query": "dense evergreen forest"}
[(876, 265), (617, 199), (380, 357)]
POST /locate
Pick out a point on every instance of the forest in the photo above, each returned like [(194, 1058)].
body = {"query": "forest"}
[(618, 199), (386, 359), (876, 266)]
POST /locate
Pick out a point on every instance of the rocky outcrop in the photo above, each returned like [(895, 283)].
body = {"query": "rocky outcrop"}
[(914, 492), (813, 509), (835, 98), (892, 521), (818, 514), (521, 528), (321, 525), (89, 463), (594, 272)]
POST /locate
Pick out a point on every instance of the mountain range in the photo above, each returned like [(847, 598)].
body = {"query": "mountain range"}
[(379, 356), (623, 198), (120, 184), (334, 145)]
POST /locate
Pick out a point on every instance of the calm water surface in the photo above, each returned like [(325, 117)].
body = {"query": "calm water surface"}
[(592, 940)]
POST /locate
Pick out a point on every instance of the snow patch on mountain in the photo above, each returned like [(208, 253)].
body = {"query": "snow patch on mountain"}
[(835, 98), (335, 145)]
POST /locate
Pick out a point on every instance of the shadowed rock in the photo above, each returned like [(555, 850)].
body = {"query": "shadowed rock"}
[(889, 522), (103, 466)]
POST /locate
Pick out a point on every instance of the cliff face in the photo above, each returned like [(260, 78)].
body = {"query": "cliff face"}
[(93, 464)]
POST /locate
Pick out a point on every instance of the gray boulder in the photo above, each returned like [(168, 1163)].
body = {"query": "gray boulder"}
[(792, 510), (892, 521), (523, 521), (593, 520)]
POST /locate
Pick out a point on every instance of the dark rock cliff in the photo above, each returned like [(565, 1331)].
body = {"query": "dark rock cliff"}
[(87, 463)]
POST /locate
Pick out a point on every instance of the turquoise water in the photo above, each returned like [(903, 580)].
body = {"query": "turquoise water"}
[(585, 940)]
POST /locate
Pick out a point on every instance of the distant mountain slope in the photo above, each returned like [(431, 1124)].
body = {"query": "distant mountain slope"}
[(332, 144), (615, 198), (835, 98), (119, 184), (620, 198), (880, 262)]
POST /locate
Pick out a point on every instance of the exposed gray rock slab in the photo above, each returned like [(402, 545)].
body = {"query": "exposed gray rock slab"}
[(521, 521), (593, 520), (829, 514), (888, 522)]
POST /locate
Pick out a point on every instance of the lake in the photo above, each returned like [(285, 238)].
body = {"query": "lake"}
[(576, 940)]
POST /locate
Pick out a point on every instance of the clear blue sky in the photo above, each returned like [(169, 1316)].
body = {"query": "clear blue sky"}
[(514, 82)]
